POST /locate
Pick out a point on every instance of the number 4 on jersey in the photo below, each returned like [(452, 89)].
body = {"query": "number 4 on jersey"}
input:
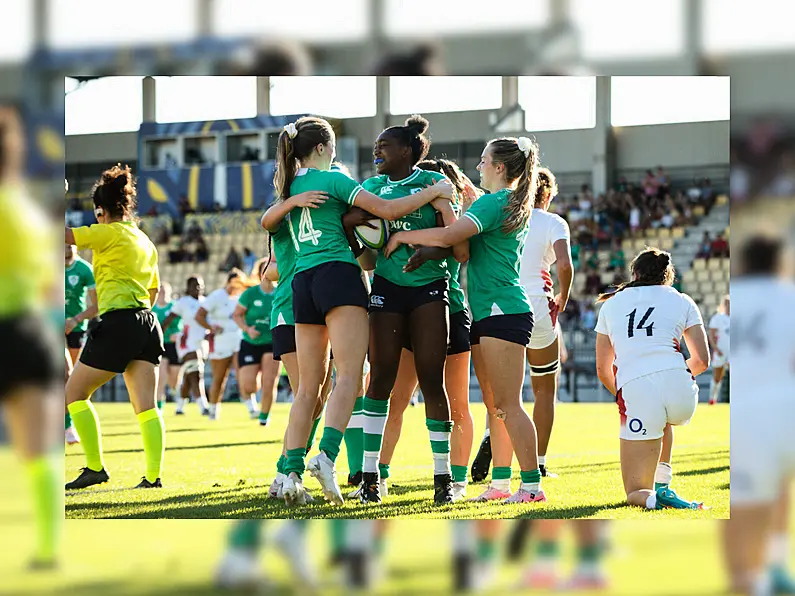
[(306, 231), (631, 327)]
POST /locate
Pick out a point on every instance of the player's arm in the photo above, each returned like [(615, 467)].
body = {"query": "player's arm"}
[(89, 313), (696, 340), (447, 215), (712, 337), (356, 216), (565, 271), (272, 218), (397, 208), (461, 230), (153, 296), (239, 317), (201, 319), (69, 236), (170, 318), (367, 259), (272, 271), (605, 356)]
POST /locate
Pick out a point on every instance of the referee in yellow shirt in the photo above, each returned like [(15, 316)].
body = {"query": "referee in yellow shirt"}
[(127, 338)]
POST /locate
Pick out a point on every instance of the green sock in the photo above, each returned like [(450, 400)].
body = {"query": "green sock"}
[(459, 473), (246, 535), (84, 417), (548, 549), (337, 536), (159, 404), (67, 421), (375, 415), (330, 443), (312, 434), (295, 461), (280, 464), (153, 433), (439, 431), (263, 417), (383, 470), (46, 474), (354, 438), (487, 549), (531, 480), (589, 553), (501, 473)]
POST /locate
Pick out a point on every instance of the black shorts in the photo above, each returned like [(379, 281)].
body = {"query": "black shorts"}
[(28, 354), (170, 352), (121, 336), (513, 328), (283, 340), (458, 339), (318, 290), (251, 354), (74, 341), (388, 297)]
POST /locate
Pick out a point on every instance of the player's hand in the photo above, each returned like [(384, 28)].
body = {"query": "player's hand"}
[(252, 332), (443, 189), (718, 353), (217, 330), (357, 217), (442, 205), (310, 198), (560, 303), (395, 240), (70, 325), (418, 259)]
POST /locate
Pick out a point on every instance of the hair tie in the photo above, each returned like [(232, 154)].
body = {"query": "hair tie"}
[(291, 130), (525, 145)]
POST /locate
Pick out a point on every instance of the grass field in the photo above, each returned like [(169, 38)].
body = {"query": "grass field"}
[(222, 469)]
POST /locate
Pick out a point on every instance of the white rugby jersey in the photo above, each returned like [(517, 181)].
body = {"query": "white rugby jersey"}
[(763, 342), (192, 333), (220, 306), (720, 323), (642, 324), (539, 255)]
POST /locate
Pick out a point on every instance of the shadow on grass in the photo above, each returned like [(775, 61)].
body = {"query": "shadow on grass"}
[(207, 446), (702, 471), (169, 431), (122, 588)]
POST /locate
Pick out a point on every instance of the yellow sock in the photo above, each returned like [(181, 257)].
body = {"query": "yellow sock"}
[(84, 417), (154, 435), (46, 477)]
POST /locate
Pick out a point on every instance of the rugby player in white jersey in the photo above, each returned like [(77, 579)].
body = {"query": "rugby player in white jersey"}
[(638, 360), (719, 342), (763, 411)]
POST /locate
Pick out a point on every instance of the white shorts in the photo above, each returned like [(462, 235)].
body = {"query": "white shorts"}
[(544, 312), (762, 449), (202, 347), (720, 361), (224, 346), (648, 403)]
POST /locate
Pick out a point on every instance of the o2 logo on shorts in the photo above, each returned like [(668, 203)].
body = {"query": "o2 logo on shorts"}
[(249, 358), (434, 292), (636, 426), (376, 301)]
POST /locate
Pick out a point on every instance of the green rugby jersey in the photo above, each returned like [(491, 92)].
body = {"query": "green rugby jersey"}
[(176, 326), (258, 307), (79, 279), (391, 269), (494, 258), (282, 312)]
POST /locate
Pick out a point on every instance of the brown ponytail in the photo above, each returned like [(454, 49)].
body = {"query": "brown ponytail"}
[(115, 192), (289, 152), (523, 168), (547, 187), (651, 267)]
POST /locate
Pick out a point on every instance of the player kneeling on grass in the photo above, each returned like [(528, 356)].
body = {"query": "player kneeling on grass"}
[(638, 359)]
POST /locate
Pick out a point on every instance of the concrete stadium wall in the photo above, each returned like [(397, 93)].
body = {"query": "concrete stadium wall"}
[(118, 146), (672, 145)]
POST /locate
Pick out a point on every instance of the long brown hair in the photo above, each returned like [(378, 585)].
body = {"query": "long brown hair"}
[(651, 267), (547, 187), (115, 192), (289, 152), (460, 181), (517, 167)]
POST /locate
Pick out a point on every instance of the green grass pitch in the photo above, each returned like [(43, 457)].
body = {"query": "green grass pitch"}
[(222, 469)]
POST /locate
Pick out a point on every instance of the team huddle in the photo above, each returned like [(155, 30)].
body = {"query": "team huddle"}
[(359, 318)]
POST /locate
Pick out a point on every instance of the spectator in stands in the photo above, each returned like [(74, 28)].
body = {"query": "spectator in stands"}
[(739, 179), (705, 248), (663, 182), (783, 185), (184, 205), (623, 185), (593, 282), (588, 318), (194, 233), (179, 254), (593, 261), (575, 256), (668, 218), (232, 261), (202, 253), (720, 248), (249, 259), (618, 260), (634, 216), (650, 184)]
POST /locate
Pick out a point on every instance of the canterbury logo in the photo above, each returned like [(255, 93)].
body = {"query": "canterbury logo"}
[(376, 300)]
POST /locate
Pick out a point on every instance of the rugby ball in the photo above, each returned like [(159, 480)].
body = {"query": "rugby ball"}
[(376, 237)]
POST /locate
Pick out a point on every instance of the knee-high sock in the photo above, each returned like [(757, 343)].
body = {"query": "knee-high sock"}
[(246, 535), (46, 475), (439, 431), (86, 422), (153, 434), (354, 438), (375, 415)]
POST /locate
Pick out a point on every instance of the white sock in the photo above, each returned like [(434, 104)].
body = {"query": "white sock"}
[(441, 464), (216, 408), (203, 402), (651, 501), (713, 390), (542, 460), (664, 473), (504, 484), (531, 487), (778, 550), (762, 584), (251, 405), (180, 403)]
